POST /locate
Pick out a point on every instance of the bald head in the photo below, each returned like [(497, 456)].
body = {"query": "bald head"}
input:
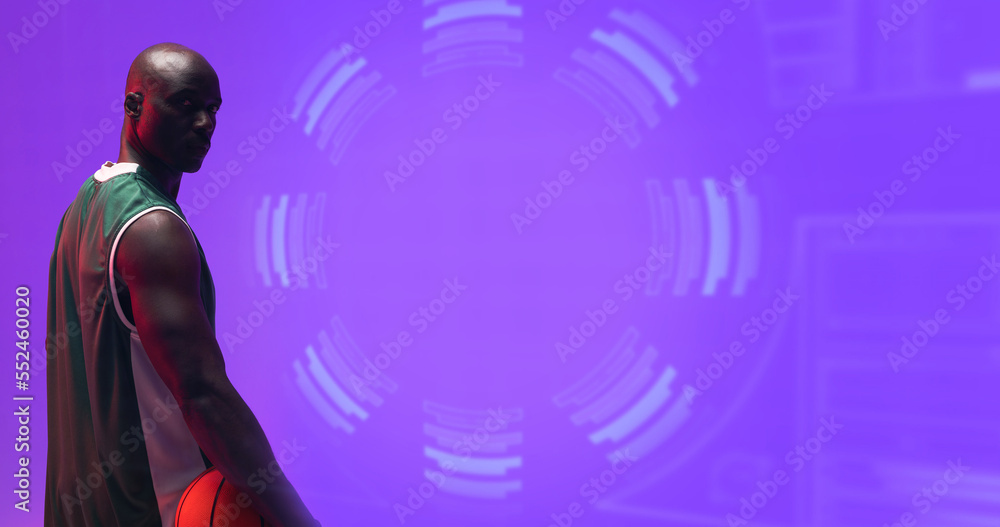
[(162, 63), (172, 96)]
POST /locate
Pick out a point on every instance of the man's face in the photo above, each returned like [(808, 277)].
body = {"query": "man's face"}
[(178, 116)]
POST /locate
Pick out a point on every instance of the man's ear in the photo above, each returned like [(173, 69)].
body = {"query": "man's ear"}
[(133, 104)]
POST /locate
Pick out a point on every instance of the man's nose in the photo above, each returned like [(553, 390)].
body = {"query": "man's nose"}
[(205, 122)]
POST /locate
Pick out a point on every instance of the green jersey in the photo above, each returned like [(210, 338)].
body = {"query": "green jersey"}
[(119, 451)]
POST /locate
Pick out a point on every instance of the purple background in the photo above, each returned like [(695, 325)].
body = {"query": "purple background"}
[(495, 347)]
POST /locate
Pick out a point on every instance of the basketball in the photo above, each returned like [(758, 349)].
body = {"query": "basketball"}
[(210, 501)]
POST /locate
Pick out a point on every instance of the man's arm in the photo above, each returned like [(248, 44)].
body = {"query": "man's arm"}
[(161, 258)]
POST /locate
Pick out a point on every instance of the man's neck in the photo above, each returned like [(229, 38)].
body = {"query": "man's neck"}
[(169, 181)]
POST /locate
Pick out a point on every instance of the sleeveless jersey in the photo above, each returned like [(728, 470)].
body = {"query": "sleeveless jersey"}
[(119, 451)]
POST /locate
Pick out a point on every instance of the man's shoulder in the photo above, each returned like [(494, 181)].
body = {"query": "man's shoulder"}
[(156, 241), (160, 227)]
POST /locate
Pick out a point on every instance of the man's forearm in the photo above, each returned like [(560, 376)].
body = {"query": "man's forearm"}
[(233, 439)]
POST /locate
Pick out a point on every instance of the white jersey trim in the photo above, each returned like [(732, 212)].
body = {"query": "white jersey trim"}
[(109, 170), (114, 249)]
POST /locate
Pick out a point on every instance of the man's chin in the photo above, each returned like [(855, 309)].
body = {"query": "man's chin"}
[(193, 165)]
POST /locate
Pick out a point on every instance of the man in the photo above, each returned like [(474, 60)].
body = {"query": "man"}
[(138, 398)]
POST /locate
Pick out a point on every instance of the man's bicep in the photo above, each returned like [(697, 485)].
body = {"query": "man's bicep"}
[(161, 259)]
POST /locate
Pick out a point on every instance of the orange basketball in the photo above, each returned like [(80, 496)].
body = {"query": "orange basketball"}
[(209, 501)]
